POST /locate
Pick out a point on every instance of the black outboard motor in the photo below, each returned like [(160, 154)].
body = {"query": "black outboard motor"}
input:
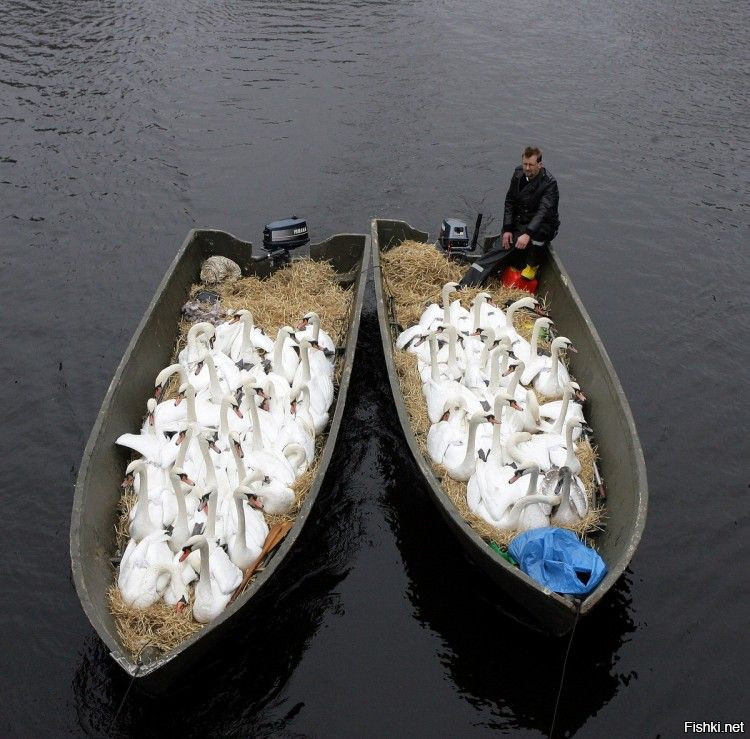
[(454, 236), (279, 237), (288, 233)]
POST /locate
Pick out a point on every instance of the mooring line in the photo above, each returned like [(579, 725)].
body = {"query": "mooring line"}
[(139, 664), (565, 667)]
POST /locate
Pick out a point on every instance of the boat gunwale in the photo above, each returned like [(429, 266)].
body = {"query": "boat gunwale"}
[(479, 547), (359, 274)]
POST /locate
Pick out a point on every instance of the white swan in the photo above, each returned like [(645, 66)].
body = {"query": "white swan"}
[(285, 359), (489, 492), (450, 429), (151, 443), (321, 387), (251, 343), (437, 390), (140, 579), (309, 328), (528, 302), (460, 464), (553, 377), (198, 340), (444, 312), (271, 462), (566, 408), (529, 353), (142, 524), (210, 599), (483, 314), (165, 375), (565, 455), (181, 524), (243, 553)]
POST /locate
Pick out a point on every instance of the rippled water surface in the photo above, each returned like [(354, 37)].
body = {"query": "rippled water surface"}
[(122, 126)]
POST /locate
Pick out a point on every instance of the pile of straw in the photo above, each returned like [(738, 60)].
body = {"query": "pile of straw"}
[(414, 274), (279, 300), (159, 626)]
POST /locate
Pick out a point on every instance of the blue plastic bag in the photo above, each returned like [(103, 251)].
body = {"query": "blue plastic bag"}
[(555, 557)]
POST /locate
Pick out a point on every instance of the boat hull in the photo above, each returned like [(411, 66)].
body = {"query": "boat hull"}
[(97, 492), (621, 458)]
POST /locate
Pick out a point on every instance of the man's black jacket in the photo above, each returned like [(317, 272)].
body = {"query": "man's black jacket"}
[(532, 209)]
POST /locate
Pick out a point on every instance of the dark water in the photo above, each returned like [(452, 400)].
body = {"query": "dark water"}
[(122, 126)]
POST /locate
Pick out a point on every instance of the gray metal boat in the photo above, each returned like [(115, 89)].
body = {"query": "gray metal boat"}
[(621, 457), (97, 492)]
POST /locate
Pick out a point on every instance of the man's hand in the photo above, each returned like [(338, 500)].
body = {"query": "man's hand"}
[(507, 239), (523, 241)]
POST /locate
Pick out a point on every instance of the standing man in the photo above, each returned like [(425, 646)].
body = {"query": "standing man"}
[(530, 221)]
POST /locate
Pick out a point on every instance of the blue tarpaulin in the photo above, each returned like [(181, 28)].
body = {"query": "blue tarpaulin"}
[(557, 559)]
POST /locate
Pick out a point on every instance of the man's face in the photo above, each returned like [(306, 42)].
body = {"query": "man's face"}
[(531, 166)]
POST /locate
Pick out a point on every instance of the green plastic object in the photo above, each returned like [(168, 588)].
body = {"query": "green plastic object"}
[(494, 545)]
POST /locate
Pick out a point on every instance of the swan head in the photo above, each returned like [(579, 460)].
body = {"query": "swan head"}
[(286, 332), (452, 405), (192, 543), (563, 342), (137, 465), (479, 418), (448, 288), (505, 398), (229, 401), (311, 317), (575, 390), (526, 467), (480, 298), (177, 473), (543, 322), (489, 335)]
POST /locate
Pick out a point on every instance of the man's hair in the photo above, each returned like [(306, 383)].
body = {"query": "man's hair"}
[(532, 151)]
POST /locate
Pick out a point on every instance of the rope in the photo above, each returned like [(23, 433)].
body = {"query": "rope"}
[(139, 664), (564, 668)]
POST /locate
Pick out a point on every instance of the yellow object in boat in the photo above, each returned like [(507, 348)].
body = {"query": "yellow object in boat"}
[(529, 272)]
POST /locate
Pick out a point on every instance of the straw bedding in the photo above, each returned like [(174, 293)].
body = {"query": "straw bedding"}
[(278, 300), (414, 275)]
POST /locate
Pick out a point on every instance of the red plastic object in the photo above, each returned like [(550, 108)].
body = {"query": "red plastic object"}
[(512, 277)]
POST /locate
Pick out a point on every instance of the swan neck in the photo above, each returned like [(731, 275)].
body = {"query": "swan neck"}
[(513, 384), (571, 458), (247, 333), (213, 504), (224, 418), (192, 416), (494, 370), (257, 439), (477, 314), (305, 360), (210, 472), (315, 320), (533, 479), (216, 391), (473, 426), (434, 374), (451, 348), (238, 502)]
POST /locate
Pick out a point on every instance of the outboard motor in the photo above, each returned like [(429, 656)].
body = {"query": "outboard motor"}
[(279, 237), (454, 236), (288, 233)]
